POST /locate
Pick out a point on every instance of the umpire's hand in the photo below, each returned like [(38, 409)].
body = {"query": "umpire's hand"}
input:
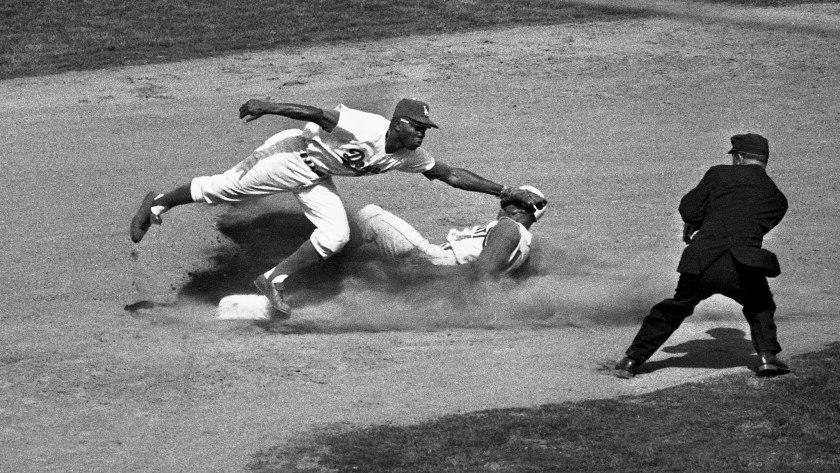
[(689, 230)]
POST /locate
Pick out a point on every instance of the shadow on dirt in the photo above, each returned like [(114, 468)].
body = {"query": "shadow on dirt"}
[(728, 348), (263, 239)]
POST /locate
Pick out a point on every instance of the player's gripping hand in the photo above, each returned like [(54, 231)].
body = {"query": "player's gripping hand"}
[(523, 197), (252, 109)]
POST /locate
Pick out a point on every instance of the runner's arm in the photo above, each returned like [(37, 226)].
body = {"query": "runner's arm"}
[(500, 243)]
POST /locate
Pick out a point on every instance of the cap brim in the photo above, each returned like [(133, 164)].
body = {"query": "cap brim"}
[(426, 123), (419, 121)]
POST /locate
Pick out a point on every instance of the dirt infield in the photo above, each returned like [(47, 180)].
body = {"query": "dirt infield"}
[(111, 358)]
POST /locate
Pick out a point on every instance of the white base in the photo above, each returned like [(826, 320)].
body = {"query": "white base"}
[(244, 307)]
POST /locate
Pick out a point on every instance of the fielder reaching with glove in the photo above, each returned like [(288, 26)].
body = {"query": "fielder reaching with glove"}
[(496, 248), (342, 141)]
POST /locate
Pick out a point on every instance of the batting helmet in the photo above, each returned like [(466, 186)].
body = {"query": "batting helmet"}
[(537, 212)]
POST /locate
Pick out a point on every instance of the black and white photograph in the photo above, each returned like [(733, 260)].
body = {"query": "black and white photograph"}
[(438, 236)]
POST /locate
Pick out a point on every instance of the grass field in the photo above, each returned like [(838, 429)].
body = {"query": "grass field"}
[(736, 423), (47, 37)]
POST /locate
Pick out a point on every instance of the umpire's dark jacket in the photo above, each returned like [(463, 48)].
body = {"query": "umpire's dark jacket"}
[(733, 206)]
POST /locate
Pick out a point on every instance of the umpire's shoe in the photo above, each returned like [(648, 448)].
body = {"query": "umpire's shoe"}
[(144, 218), (626, 368), (769, 365), (274, 292)]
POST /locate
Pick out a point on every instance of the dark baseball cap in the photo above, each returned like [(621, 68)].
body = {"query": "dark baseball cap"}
[(414, 110), (750, 143)]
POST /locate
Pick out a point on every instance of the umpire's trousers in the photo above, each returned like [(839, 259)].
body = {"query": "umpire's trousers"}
[(746, 285)]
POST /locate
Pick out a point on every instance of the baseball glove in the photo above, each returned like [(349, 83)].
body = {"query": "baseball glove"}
[(522, 197)]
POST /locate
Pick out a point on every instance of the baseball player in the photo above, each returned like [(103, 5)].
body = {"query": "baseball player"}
[(343, 142), (496, 248)]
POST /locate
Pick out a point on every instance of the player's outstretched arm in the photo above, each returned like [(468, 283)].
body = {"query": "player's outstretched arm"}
[(468, 180), (463, 179), (253, 109)]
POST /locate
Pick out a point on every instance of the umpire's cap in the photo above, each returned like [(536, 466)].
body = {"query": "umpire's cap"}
[(750, 143), (414, 110)]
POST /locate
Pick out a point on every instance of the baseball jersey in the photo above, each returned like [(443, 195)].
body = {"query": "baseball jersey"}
[(356, 147), (468, 243)]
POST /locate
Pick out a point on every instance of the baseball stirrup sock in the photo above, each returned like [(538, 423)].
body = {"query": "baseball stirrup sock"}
[(159, 209), (276, 280)]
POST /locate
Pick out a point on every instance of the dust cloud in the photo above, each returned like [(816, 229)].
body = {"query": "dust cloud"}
[(553, 290), (358, 291)]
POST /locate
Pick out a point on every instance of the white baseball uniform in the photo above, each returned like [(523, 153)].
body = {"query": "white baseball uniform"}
[(303, 161), (396, 238)]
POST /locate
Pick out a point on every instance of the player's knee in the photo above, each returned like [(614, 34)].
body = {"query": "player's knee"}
[(217, 188), (366, 220), (330, 243), (368, 211)]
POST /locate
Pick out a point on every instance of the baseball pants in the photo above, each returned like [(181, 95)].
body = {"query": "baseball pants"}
[(743, 284), (274, 167), (395, 238)]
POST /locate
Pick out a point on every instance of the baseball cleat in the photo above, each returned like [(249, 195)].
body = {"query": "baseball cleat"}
[(626, 368), (274, 293), (769, 365), (144, 218)]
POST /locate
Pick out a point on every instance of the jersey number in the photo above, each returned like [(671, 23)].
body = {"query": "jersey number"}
[(354, 158)]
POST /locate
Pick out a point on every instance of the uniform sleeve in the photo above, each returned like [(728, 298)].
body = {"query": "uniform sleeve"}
[(362, 126), (693, 204), (415, 161), (502, 240), (312, 129)]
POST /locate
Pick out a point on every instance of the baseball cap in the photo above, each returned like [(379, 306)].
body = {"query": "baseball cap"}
[(750, 143), (414, 110)]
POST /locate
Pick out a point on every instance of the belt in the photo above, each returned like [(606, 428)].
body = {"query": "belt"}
[(308, 161)]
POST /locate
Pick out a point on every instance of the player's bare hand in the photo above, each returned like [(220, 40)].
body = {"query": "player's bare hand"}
[(524, 197), (252, 109), (688, 232)]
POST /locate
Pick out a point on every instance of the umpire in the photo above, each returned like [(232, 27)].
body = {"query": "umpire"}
[(726, 217)]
